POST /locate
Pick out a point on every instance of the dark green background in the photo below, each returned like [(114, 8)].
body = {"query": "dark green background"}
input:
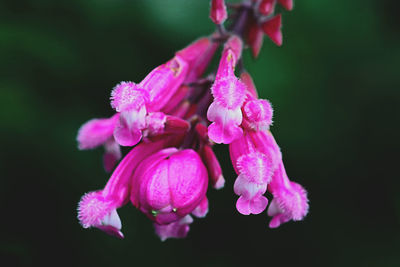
[(334, 86)]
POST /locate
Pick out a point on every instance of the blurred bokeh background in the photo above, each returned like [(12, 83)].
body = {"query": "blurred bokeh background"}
[(334, 86)]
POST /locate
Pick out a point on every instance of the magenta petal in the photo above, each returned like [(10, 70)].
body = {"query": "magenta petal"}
[(226, 135), (243, 205), (126, 137), (111, 231), (202, 209), (178, 229), (96, 132), (112, 154), (258, 204)]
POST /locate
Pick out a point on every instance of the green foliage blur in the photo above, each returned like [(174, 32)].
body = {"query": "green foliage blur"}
[(334, 85)]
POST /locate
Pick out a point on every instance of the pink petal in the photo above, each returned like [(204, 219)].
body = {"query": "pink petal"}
[(96, 132)]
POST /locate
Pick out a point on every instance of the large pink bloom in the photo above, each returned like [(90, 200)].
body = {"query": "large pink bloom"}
[(169, 185), (98, 208)]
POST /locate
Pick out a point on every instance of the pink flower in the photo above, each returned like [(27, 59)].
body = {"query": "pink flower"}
[(218, 12), (134, 101), (98, 209), (254, 157), (229, 95), (130, 101), (290, 199), (169, 185), (175, 115)]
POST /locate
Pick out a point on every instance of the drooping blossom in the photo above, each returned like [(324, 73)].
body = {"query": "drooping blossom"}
[(290, 200), (171, 121), (229, 94)]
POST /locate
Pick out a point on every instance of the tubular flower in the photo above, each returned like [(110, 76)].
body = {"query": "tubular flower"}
[(290, 199), (98, 209), (229, 95), (171, 121)]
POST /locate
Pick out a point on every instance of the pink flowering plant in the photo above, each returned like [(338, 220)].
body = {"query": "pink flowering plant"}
[(174, 116)]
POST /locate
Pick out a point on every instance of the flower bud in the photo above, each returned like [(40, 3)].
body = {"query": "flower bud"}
[(267, 7), (272, 28), (214, 168), (287, 4), (255, 38), (218, 13), (169, 185)]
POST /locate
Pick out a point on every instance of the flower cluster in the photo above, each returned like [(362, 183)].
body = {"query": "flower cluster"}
[(171, 120)]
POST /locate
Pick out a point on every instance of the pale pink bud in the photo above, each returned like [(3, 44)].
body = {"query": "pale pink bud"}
[(218, 13), (214, 168), (254, 157), (229, 95), (287, 4), (290, 200), (169, 185), (272, 28), (177, 229), (267, 7), (98, 209), (96, 132), (198, 56)]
